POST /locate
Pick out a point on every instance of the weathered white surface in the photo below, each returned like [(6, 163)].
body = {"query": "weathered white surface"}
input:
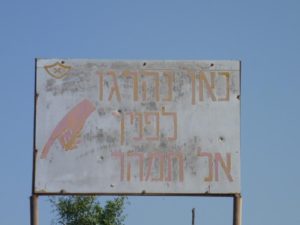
[(148, 132)]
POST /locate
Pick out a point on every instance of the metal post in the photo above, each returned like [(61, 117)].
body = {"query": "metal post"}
[(34, 216), (193, 216), (237, 210)]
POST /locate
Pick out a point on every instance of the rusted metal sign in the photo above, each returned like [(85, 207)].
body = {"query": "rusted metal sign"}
[(137, 127)]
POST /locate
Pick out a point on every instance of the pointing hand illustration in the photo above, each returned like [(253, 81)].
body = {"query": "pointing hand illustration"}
[(68, 129)]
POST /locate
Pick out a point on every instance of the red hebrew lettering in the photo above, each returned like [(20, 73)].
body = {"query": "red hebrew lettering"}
[(209, 86), (135, 79), (115, 89), (140, 124), (155, 75), (140, 156), (215, 160), (148, 116), (174, 115), (171, 161), (152, 157), (209, 155), (227, 95), (120, 155), (170, 80), (226, 167), (179, 157), (193, 78)]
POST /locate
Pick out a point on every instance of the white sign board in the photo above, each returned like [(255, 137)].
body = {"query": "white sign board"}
[(137, 127)]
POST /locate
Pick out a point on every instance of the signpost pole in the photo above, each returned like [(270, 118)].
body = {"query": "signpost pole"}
[(237, 209), (193, 216), (34, 210)]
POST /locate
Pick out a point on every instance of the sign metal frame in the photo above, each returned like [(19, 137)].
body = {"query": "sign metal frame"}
[(236, 196)]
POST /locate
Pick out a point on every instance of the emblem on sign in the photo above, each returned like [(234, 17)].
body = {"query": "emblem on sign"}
[(57, 70)]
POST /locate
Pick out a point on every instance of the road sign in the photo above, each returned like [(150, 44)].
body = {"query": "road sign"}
[(137, 127)]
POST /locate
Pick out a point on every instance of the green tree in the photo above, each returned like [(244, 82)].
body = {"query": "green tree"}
[(86, 210)]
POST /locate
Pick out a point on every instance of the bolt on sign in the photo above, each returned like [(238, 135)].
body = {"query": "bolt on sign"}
[(137, 127)]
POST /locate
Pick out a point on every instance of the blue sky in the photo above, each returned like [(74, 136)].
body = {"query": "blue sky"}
[(263, 34)]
